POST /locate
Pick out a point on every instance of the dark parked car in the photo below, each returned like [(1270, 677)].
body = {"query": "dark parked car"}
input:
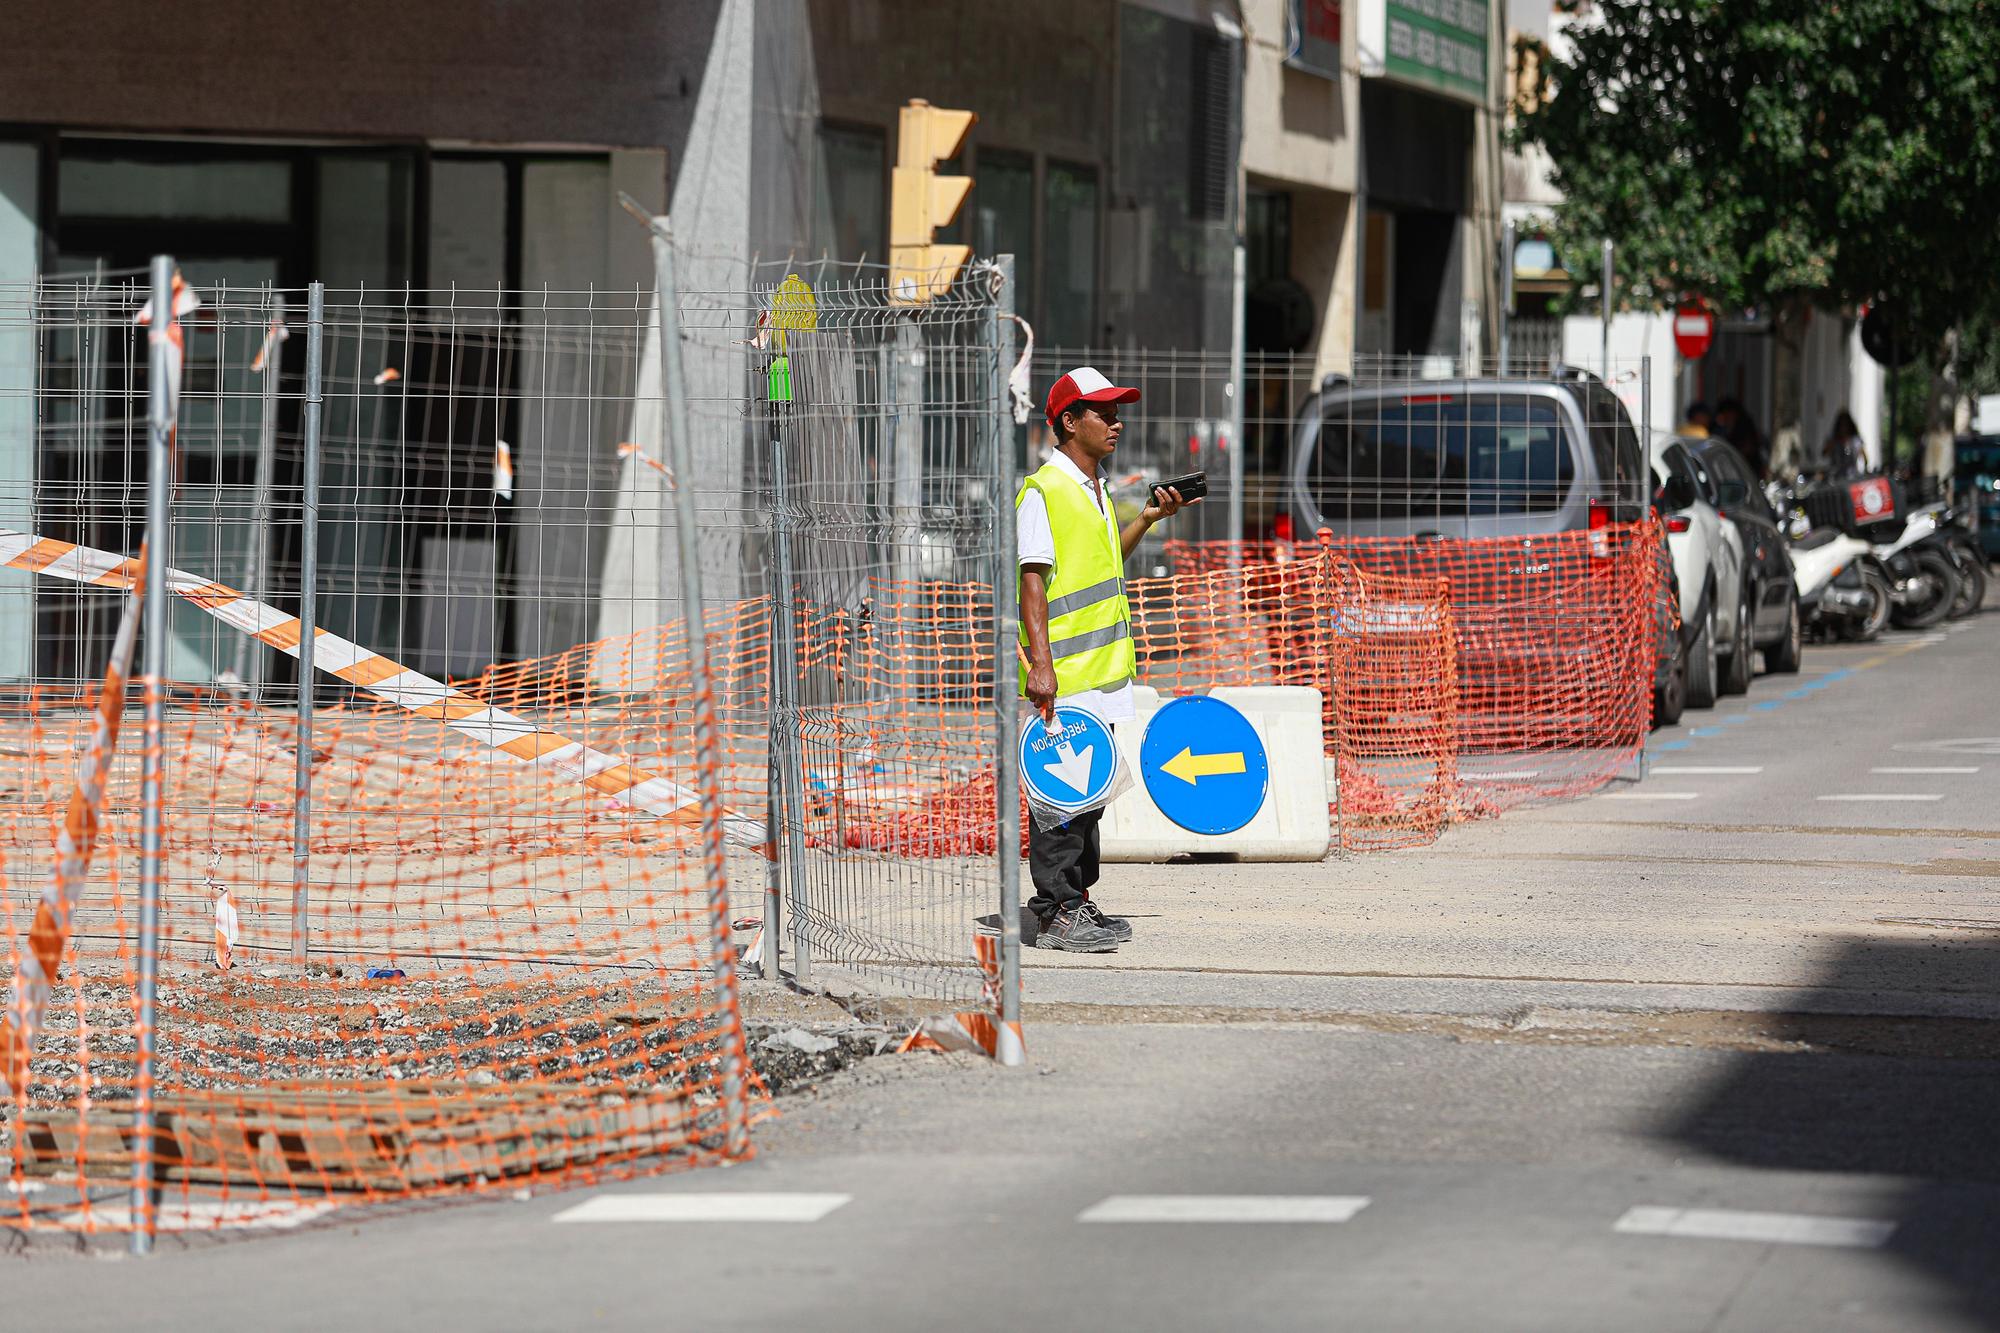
[(1977, 474), (1771, 589)]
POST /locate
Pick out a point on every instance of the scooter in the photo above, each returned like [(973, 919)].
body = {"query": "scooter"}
[(1924, 576), (1844, 589), (1962, 541)]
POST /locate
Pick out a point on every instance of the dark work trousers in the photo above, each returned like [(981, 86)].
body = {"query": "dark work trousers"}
[(1063, 863)]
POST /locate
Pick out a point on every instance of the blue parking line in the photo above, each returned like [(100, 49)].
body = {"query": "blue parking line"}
[(1761, 706)]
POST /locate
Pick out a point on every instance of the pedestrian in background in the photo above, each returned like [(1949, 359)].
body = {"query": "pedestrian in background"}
[(1844, 453), (1696, 421), (1733, 423), (1076, 632)]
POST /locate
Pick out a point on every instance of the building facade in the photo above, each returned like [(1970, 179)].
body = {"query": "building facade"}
[(462, 157)]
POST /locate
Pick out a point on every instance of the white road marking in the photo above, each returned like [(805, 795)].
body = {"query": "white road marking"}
[(1768, 1228), (1509, 773), (1973, 769), (1650, 796), (1696, 770), (1225, 1208), (1883, 796), (704, 1208)]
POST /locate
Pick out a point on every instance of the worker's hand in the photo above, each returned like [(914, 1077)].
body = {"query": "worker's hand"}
[(1042, 691), (1166, 503)]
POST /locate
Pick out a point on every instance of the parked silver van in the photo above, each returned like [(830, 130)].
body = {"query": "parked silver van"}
[(1464, 458)]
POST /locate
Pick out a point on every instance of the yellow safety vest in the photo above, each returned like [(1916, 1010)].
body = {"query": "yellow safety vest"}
[(1090, 621)]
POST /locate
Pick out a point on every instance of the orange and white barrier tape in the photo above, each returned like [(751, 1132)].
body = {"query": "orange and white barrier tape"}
[(629, 450), (390, 681), (185, 303), (35, 970), (274, 334), (227, 927), (974, 1030)]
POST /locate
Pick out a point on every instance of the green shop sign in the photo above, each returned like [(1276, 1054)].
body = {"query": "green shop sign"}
[(1439, 44)]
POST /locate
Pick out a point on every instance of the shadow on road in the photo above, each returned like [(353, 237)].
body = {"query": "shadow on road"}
[(1913, 1097)]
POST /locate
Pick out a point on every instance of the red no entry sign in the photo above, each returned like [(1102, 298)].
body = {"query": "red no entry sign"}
[(1694, 330)]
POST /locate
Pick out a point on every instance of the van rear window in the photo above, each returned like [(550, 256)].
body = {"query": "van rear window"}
[(1400, 459)]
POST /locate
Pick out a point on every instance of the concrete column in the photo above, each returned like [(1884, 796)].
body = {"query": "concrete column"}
[(20, 242), (1865, 387)]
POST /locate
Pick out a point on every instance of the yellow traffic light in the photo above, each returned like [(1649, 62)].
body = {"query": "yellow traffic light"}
[(921, 201)]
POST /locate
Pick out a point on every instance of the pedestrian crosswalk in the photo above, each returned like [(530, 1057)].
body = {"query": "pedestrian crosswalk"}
[(1648, 1219), (1225, 1208), (727, 1207)]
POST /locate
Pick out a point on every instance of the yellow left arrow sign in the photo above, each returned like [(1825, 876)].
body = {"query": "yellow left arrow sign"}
[(1189, 767)]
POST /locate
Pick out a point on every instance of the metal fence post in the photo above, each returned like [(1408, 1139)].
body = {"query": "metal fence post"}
[(1609, 276), (308, 621), (1642, 482), (906, 503), (1006, 638), (787, 755), (708, 754), (152, 848), (257, 559), (1240, 289)]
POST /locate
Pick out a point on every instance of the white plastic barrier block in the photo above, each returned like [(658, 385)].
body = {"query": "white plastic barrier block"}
[(1291, 825)]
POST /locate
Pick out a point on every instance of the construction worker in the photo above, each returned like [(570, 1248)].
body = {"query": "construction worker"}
[(1076, 631)]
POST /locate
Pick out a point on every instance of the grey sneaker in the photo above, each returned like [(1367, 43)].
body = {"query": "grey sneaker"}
[(1074, 932), (1120, 928)]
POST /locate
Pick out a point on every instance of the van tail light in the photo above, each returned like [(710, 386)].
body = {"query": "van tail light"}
[(1679, 523), (1283, 528), (1600, 515), (1600, 535)]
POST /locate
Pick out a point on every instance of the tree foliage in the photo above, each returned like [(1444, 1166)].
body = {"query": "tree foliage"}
[(1761, 152)]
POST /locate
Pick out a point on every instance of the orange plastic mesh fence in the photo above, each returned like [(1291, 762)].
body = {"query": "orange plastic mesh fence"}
[(1378, 648), (1381, 645), (514, 848), (511, 940), (1556, 644), (551, 1012)]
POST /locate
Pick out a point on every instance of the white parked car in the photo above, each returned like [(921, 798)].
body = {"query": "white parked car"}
[(1707, 552)]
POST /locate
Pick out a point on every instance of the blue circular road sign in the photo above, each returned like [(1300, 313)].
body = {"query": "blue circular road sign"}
[(1072, 767), (1204, 765)]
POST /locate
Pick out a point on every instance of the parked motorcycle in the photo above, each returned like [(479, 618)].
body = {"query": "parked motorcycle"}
[(1962, 540), (1924, 577), (1844, 588)]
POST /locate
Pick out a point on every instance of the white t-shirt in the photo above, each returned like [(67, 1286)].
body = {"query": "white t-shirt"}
[(1036, 542)]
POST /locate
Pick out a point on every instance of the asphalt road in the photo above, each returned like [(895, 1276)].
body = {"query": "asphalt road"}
[(1714, 1051)]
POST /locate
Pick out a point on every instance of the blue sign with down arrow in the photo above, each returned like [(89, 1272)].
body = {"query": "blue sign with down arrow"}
[(1204, 765), (1072, 766)]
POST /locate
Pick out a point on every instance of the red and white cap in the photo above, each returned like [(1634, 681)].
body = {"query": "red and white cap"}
[(1085, 385)]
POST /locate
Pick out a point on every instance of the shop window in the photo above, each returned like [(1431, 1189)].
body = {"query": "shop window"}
[(852, 203), (1004, 202), (216, 190), (364, 220), (468, 227), (1069, 309)]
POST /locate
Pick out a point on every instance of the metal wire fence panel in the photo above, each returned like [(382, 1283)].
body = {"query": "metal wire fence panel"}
[(869, 448), (504, 966)]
